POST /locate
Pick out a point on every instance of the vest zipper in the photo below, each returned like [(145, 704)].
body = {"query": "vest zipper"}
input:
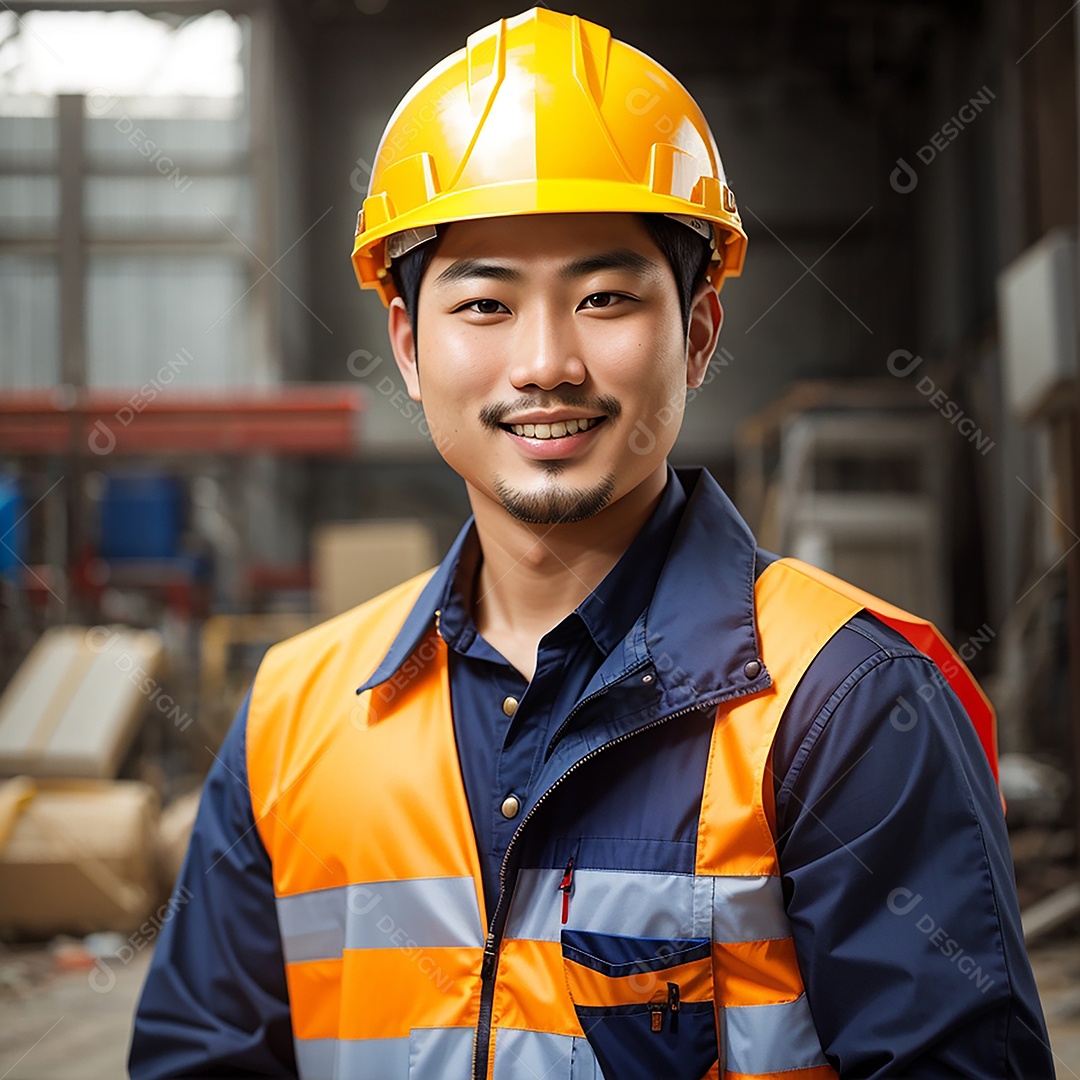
[(633, 670), (482, 1040), (489, 967)]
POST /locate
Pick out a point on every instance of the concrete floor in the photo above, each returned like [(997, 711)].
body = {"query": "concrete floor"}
[(76, 1025), (1057, 971), (72, 1025)]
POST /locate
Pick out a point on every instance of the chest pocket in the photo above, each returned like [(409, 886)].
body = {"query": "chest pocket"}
[(645, 1004)]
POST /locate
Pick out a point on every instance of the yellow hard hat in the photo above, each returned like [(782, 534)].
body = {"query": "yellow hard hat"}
[(543, 114)]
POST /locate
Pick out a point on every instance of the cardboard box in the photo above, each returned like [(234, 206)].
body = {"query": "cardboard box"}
[(80, 856), (73, 706), (356, 560)]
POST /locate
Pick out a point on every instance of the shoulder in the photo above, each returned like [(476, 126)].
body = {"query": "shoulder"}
[(864, 652), (358, 638), (305, 688)]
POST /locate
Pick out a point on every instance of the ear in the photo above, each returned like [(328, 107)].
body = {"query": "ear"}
[(404, 345), (706, 318)]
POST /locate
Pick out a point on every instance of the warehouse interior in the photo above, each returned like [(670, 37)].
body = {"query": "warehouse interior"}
[(206, 447)]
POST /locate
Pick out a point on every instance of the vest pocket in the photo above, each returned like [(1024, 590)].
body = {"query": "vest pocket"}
[(644, 1004)]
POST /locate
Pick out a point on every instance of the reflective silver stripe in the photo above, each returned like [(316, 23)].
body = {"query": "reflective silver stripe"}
[(427, 912), (384, 1059), (639, 904), (315, 1058), (771, 1038), (440, 1053), (312, 924), (520, 1053), (610, 901), (427, 1054), (749, 909)]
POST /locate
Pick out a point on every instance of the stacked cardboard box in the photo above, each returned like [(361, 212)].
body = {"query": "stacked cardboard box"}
[(79, 856), (77, 847)]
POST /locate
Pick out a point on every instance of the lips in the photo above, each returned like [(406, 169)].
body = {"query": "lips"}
[(553, 446)]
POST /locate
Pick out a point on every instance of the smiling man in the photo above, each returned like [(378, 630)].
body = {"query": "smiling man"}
[(611, 792), (554, 337)]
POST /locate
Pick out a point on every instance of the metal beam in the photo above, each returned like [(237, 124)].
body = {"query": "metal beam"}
[(72, 257), (298, 419)]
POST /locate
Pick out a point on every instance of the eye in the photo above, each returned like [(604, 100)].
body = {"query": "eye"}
[(486, 306), (602, 300)]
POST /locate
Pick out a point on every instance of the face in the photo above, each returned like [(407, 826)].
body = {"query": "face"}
[(553, 360)]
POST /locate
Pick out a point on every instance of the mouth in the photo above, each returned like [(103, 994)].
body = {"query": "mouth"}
[(560, 429)]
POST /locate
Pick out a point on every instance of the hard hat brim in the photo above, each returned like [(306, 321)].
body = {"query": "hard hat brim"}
[(529, 197)]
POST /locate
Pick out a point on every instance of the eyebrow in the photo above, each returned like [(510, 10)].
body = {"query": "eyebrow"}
[(478, 268), (617, 259)]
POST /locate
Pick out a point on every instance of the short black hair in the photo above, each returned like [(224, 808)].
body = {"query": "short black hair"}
[(687, 253)]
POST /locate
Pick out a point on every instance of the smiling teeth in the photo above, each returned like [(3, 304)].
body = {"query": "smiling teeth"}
[(556, 430)]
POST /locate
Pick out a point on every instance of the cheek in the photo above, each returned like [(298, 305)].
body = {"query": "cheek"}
[(650, 368), (446, 375)]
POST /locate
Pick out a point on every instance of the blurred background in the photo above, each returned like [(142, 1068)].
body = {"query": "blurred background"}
[(205, 445)]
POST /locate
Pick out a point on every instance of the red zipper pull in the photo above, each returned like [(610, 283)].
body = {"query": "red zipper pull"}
[(565, 886), (656, 1016)]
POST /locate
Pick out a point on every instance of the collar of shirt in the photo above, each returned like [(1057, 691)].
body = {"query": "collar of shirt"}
[(607, 613), (699, 629)]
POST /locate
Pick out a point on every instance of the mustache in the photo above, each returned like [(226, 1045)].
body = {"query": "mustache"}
[(491, 416)]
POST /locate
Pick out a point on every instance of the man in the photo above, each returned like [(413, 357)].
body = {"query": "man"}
[(619, 795)]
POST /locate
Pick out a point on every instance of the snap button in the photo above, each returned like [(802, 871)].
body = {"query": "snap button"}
[(510, 707), (752, 669), (510, 806)]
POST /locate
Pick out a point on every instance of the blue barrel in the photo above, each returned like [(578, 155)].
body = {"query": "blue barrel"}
[(141, 516), (13, 531)]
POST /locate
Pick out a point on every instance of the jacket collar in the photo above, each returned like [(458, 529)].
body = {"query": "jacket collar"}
[(699, 632)]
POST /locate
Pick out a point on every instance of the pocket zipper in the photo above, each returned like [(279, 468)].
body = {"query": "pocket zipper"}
[(658, 1008), (565, 886), (657, 1011)]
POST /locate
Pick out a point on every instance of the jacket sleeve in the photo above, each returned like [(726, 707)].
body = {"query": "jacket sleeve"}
[(215, 1001), (899, 882)]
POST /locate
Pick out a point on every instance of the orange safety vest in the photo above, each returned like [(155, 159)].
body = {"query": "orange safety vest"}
[(391, 970)]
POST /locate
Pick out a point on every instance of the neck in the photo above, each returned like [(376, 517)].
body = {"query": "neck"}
[(533, 576)]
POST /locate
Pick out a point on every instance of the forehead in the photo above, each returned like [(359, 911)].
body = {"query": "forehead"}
[(544, 238)]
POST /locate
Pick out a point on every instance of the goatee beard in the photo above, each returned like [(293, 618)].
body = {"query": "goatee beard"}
[(556, 505)]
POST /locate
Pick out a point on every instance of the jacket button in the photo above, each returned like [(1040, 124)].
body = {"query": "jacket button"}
[(510, 707), (510, 806), (752, 669)]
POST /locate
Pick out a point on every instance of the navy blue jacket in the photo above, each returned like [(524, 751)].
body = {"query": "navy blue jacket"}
[(896, 868)]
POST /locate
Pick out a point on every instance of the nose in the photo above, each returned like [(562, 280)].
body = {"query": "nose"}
[(546, 352)]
